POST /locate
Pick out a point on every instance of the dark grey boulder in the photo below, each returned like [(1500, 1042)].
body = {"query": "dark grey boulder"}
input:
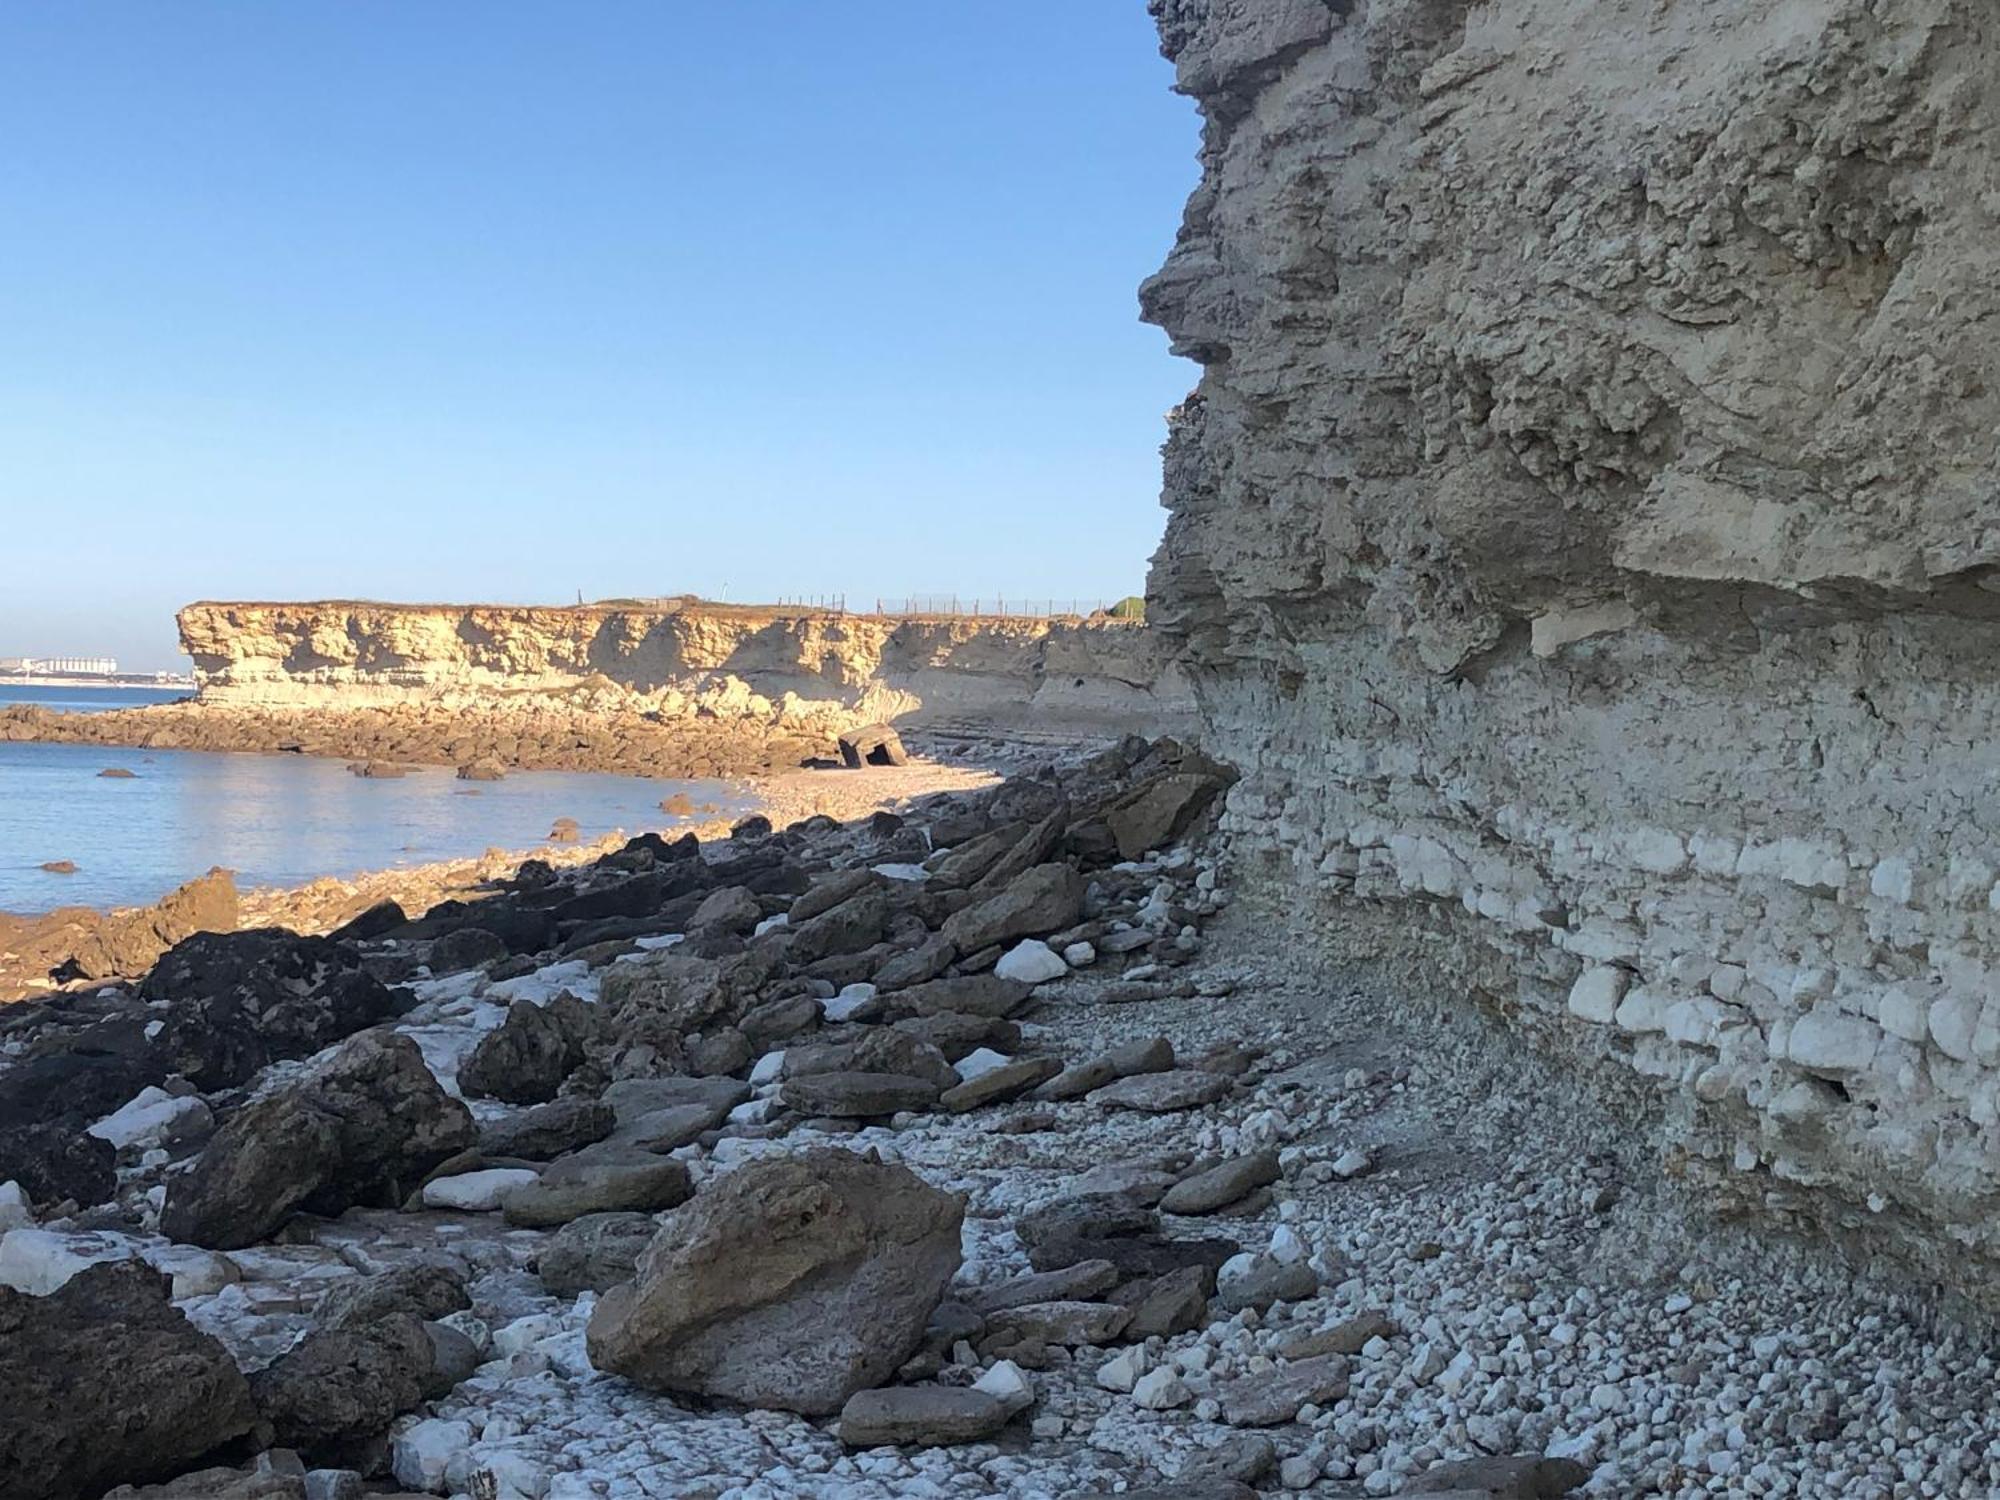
[(830, 891), (922, 1416), (108, 1383), (1522, 1477), (233, 1002), (855, 924), (548, 1130), (525, 1059), (422, 1289), (363, 1129), (338, 1389), (858, 1096), (54, 1162)]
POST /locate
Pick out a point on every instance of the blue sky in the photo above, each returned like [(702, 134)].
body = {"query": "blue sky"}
[(504, 301)]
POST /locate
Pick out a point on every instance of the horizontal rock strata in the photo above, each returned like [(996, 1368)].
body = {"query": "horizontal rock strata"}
[(678, 688), (1581, 537)]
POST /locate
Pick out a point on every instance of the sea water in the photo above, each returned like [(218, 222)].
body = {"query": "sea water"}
[(272, 819)]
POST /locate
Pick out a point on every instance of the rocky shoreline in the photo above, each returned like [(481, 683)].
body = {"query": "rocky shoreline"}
[(545, 735), (76, 945), (986, 1149)]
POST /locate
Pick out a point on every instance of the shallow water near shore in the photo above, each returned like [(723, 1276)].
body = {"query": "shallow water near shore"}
[(83, 697), (276, 819)]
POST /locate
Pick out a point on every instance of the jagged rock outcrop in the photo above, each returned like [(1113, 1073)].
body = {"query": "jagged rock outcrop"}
[(1583, 538), (363, 1127)]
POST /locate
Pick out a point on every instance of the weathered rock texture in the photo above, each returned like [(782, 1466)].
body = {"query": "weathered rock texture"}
[(152, 1395), (1583, 537), (800, 666)]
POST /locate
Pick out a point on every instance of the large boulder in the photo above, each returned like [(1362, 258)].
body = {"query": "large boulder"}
[(792, 1283), (1037, 901), (362, 1129), (662, 998), (858, 1096), (107, 1383), (523, 928), (232, 1002), (79, 1077), (970, 861), (1154, 813), (1036, 846), (597, 1180), (548, 1130), (872, 1049), (423, 1289), (525, 1059), (987, 996), (340, 1388), (854, 925), (829, 891), (373, 1354)]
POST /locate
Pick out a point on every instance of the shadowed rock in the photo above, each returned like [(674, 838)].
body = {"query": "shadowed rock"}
[(152, 1395), (363, 1129)]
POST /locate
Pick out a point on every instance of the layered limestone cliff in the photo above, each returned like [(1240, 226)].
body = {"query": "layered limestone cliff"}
[(680, 658), (1584, 536)]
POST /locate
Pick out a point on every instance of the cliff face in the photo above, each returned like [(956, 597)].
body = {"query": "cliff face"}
[(1584, 537), (789, 667)]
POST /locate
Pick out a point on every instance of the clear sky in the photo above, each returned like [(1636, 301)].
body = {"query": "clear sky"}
[(485, 299)]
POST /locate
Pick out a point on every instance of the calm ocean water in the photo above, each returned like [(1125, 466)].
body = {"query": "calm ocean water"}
[(273, 819)]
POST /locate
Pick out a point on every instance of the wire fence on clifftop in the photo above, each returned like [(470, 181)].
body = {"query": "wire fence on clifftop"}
[(969, 604)]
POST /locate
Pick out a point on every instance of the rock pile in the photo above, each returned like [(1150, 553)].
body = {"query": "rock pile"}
[(610, 1028), (747, 1169)]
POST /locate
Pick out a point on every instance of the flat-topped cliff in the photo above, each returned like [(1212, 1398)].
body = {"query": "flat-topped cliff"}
[(679, 656), (1584, 536), (678, 688)]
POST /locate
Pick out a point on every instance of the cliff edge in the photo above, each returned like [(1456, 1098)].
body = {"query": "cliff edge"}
[(1583, 536), (795, 667)]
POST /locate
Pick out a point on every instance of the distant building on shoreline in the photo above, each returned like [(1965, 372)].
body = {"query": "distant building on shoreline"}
[(59, 666)]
